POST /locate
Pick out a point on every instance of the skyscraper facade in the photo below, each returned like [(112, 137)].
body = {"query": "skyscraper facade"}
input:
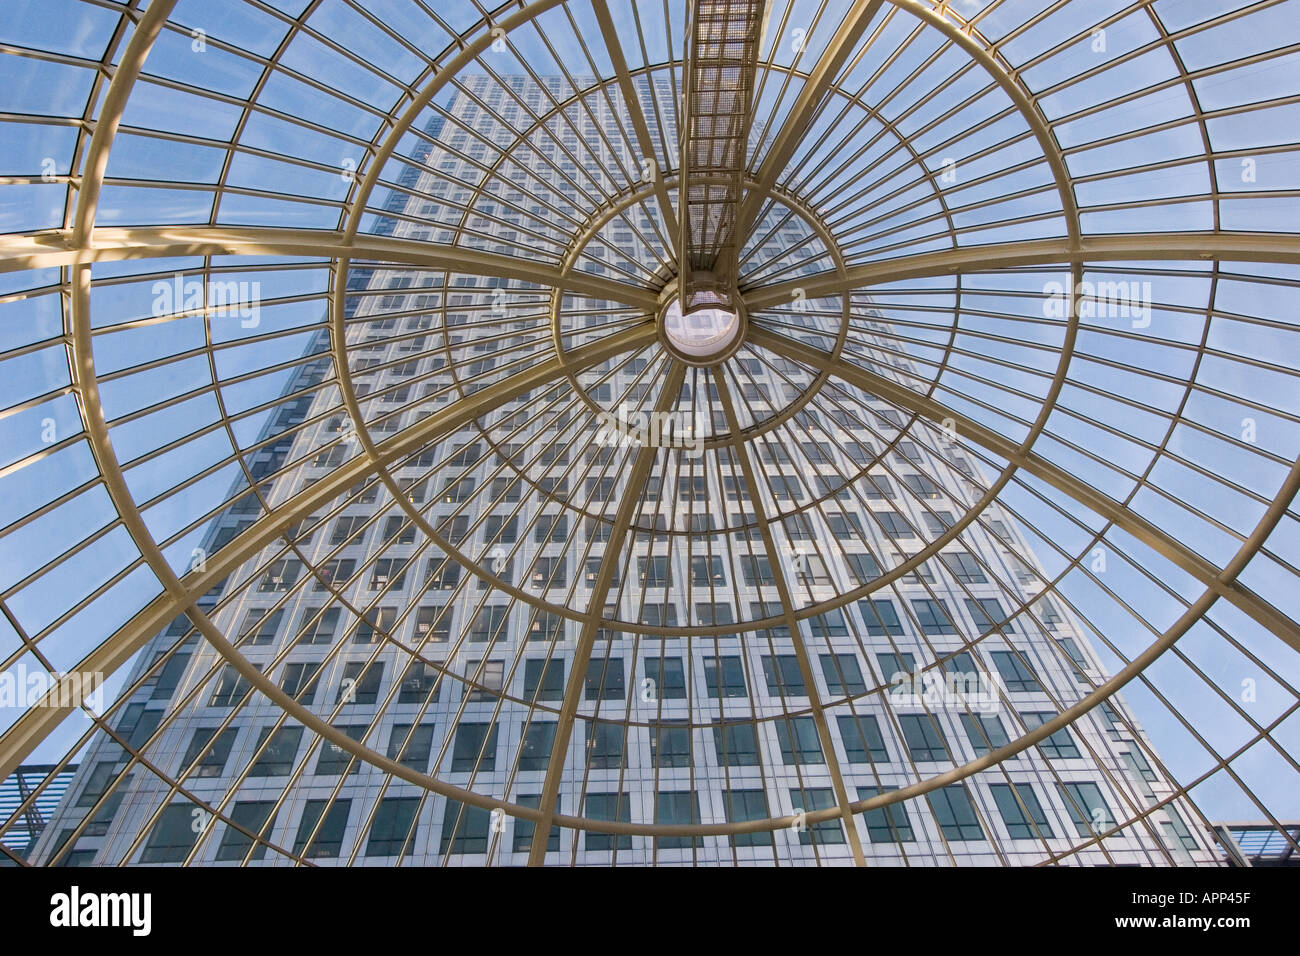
[(593, 587)]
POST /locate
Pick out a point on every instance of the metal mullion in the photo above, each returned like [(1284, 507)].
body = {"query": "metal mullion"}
[(633, 106), (734, 572), (491, 174), (865, 245), (813, 100), (1116, 512), (745, 649), (1181, 79), (300, 502), (628, 507), (902, 142), (951, 208), (507, 462), (36, 401), (556, 140), (801, 653), (856, 99)]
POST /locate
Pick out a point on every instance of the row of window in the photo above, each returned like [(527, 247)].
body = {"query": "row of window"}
[(394, 831), (736, 744), (878, 617), (544, 679)]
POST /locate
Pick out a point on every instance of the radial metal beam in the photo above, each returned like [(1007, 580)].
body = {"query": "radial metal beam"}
[(632, 103), (1137, 247), (742, 454), (722, 60), (61, 248), (642, 464), (1116, 512), (112, 653), (806, 107)]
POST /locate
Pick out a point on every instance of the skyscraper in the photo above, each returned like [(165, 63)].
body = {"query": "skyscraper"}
[(705, 631)]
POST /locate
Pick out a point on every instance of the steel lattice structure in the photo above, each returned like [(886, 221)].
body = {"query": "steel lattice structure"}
[(937, 218)]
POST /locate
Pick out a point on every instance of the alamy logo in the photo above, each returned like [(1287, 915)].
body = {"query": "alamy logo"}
[(1102, 300), (649, 429), (931, 690), (40, 688), (74, 909), (231, 299)]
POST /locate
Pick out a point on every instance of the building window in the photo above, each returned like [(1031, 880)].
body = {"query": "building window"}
[(487, 623), (725, 677), (604, 679), (817, 798), (334, 759), (464, 828), (985, 732), (280, 575), (925, 741), (783, 677), (1021, 811), (798, 739), (410, 746), (253, 816), (863, 742), (433, 624), (1015, 671), (670, 744), (932, 616), (1060, 745), (318, 626), (388, 574), (987, 614), (667, 677), (880, 617), (276, 760), (211, 755), (232, 687), (887, 824), (419, 684), (843, 674), (360, 684), (524, 829), (535, 748), (744, 805), (963, 567), (259, 627), (299, 681), (173, 835), (611, 807), (1087, 808), (955, 813), (756, 570), (489, 676), (677, 807), (707, 571), (393, 831), (896, 666), (605, 745), (322, 839), (736, 744), (475, 748)]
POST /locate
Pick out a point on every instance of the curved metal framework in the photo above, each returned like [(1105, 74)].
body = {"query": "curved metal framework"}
[(1021, 281)]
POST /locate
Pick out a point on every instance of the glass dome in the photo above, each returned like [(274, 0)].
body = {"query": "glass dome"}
[(350, 479)]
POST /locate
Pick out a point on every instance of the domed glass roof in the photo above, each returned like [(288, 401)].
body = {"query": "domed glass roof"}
[(359, 469)]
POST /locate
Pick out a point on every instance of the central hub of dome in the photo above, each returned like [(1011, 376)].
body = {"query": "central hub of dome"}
[(707, 331)]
